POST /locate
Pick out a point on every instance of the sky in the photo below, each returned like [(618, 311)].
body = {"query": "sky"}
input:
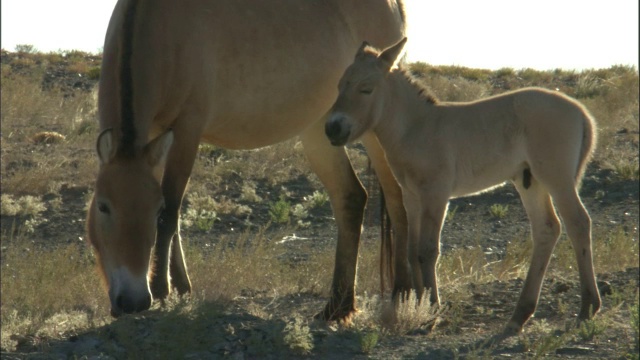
[(490, 34)]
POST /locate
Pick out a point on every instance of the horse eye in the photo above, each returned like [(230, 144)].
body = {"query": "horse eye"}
[(366, 91), (103, 208)]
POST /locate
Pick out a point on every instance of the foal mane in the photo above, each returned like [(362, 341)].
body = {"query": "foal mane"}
[(424, 92)]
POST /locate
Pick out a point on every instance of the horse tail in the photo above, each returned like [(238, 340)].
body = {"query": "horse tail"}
[(386, 245), (589, 140)]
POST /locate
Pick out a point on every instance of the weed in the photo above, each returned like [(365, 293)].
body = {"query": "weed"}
[(589, 329), (451, 213), (627, 170), (548, 344), (498, 211), (279, 211), (369, 340)]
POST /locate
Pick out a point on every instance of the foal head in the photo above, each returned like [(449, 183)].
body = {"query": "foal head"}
[(359, 100), (122, 219)]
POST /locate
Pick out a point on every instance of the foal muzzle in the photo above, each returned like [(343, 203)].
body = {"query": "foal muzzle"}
[(337, 130)]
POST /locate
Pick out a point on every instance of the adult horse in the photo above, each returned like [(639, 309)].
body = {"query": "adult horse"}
[(239, 74)]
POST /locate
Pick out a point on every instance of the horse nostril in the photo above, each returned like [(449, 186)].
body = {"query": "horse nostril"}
[(332, 128)]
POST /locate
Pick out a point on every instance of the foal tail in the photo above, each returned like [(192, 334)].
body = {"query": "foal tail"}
[(589, 140)]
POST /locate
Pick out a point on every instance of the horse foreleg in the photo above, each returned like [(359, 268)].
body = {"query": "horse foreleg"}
[(348, 199), (545, 230), (176, 176), (402, 280)]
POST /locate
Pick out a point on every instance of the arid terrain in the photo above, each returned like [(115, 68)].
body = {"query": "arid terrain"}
[(260, 241)]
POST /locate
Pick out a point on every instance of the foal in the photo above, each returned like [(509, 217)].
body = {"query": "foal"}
[(539, 139)]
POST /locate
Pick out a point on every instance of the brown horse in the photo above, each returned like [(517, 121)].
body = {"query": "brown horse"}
[(539, 139), (240, 74)]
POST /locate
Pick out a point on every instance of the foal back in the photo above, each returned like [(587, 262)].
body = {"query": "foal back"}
[(497, 139)]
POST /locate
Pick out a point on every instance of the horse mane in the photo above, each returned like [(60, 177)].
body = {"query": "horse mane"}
[(127, 124)]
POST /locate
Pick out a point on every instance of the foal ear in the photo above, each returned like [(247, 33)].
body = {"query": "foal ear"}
[(156, 151), (106, 146), (390, 55), (362, 47)]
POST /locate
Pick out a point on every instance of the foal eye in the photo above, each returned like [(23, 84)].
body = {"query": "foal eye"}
[(366, 91), (103, 208)]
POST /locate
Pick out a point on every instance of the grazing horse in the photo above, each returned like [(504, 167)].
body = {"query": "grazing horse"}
[(539, 139), (239, 74)]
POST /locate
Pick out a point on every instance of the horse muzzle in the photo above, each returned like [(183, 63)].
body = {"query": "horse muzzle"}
[(128, 294), (337, 130)]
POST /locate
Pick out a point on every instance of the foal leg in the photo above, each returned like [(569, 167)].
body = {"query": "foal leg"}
[(348, 199), (176, 176), (545, 230), (433, 207), (578, 225), (402, 282)]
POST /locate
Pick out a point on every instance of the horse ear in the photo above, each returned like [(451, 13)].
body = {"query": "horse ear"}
[(390, 55), (156, 151), (362, 47), (106, 146)]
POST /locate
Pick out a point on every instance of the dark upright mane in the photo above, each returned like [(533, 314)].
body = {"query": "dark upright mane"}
[(423, 90), (127, 125)]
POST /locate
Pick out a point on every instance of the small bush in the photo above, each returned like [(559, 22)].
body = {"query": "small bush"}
[(279, 211), (298, 337), (317, 199)]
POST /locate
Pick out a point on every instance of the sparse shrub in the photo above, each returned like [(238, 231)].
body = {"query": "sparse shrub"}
[(299, 212), (26, 49), (249, 192), (498, 211), (588, 86), (317, 199), (94, 73), (280, 211), (202, 219), (298, 337), (24, 206), (48, 137)]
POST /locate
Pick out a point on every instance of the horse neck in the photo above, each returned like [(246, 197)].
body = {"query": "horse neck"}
[(403, 107)]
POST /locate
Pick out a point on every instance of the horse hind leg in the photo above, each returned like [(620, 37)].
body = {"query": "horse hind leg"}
[(578, 225), (545, 231)]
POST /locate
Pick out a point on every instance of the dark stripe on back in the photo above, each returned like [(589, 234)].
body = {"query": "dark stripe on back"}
[(127, 121)]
